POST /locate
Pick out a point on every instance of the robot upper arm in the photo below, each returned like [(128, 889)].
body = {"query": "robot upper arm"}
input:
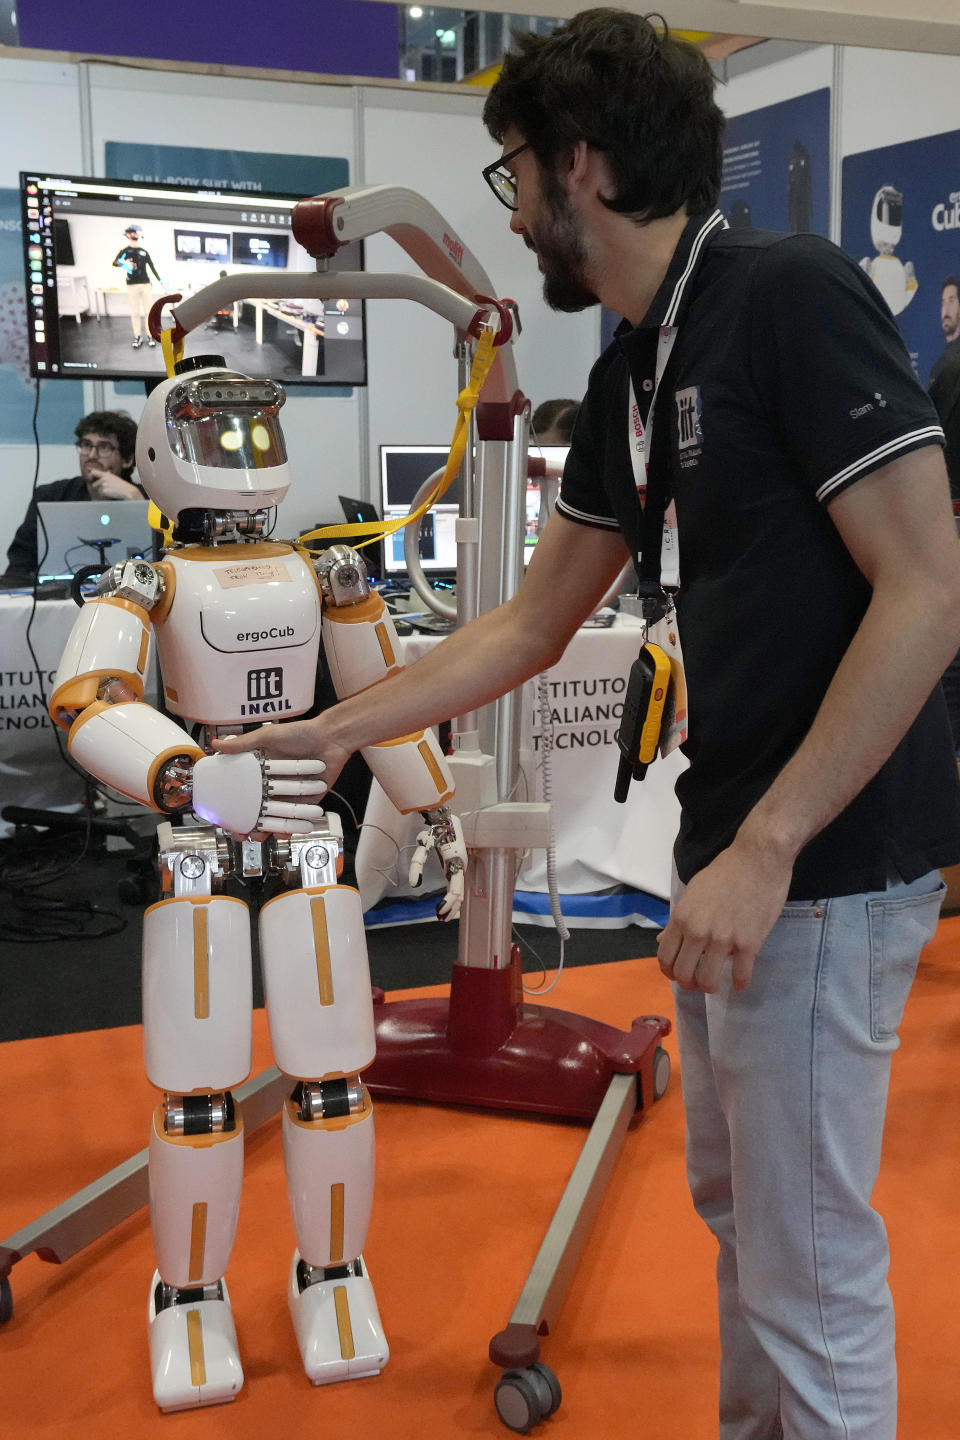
[(110, 640)]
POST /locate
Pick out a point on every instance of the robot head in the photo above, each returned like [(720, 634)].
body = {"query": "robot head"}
[(886, 220), (210, 439)]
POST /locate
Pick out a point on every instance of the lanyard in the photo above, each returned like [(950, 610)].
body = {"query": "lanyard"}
[(659, 515)]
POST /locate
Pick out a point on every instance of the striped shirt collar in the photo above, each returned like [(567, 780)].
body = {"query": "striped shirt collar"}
[(670, 300)]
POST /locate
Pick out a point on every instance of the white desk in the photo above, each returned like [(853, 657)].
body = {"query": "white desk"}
[(599, 843)]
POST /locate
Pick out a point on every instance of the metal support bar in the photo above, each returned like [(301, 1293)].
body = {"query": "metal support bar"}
[(556, 1260)]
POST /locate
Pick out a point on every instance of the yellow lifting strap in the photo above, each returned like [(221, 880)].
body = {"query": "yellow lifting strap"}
[(466, 401), (171, 352)]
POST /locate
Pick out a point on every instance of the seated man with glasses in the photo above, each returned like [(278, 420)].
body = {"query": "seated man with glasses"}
[(105, 446)]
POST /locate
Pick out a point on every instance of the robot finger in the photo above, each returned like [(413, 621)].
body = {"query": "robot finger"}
[(309, 785), (280, 810), (417, 862), (449, 907), (276, 826), (295, 767)]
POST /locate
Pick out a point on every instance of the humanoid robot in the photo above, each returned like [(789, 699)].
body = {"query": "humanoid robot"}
[(894, 278), (238, 623)]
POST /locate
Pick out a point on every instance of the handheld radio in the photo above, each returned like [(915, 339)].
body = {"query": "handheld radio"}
[(643, 707)]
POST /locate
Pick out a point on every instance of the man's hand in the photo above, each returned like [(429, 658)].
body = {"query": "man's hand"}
[(107, 486), (294, 740), (725, 914)]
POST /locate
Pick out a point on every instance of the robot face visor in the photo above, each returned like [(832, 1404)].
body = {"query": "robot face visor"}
[(890, 208), (228, 422)]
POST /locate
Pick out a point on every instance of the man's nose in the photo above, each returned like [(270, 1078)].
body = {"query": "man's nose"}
[(516, 224)]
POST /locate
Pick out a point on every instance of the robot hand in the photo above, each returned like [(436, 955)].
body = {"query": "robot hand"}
[(243, 794), (445, 836)]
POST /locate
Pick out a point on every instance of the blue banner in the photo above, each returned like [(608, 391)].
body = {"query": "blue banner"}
[(776, 166), (900, 219)]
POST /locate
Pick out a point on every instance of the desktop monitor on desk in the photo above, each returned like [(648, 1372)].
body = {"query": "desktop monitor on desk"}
[(403, 469)]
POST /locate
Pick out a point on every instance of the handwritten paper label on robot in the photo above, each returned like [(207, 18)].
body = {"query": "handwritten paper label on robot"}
[(246, 574)]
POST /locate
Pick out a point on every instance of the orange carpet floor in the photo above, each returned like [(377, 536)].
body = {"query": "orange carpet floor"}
[(463, 1199)]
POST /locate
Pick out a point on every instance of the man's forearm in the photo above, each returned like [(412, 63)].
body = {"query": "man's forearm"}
[(471, 667)]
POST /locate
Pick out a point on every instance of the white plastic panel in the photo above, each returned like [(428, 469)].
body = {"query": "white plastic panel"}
[(330, 1180), (316, 980), (197, 994), (194, 1204), (414, 774), (120, 744), (359, 654)]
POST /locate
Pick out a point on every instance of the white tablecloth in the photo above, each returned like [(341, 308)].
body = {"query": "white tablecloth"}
[(32, 772), (600, 845)]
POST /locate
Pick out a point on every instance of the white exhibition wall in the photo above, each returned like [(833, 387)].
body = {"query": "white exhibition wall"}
[(57, 115)]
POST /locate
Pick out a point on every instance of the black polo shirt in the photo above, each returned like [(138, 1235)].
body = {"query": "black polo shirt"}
[(787, 383)]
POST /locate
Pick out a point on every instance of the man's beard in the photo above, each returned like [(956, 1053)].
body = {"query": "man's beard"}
[(560, 249)]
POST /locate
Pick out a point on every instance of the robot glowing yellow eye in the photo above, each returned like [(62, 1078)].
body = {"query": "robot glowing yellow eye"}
[(261, 437), (230, 440)]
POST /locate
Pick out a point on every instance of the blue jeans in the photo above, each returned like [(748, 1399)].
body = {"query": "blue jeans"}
[(785, 1089)]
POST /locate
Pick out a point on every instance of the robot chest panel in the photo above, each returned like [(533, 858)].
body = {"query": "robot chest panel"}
[(241, 641)]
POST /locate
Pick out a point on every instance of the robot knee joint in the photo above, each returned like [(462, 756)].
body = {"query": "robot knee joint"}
[(210, 1114), (328, 1099)]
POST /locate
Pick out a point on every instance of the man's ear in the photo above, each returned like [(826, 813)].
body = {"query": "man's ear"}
[(572, 164)]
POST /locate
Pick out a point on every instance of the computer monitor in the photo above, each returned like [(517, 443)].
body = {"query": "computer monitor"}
[(403, 469), (75, 533), (79, 312)]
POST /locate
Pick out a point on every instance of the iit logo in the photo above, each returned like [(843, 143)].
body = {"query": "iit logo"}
[(265, 684), (689, 427)]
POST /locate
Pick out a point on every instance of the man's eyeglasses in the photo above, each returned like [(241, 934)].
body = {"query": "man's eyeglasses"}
[(102, 447), (504, 185)]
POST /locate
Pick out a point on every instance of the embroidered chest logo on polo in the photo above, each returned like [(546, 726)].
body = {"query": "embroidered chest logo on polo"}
[(689, 420)]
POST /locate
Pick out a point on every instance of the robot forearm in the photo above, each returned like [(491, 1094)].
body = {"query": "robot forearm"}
[(362, 648), (136, 750)]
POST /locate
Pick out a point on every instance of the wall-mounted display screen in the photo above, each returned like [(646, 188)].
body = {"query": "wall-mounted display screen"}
[(99, 252)]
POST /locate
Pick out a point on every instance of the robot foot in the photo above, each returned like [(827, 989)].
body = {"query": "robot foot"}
[(336, 1321), (193, 1346)]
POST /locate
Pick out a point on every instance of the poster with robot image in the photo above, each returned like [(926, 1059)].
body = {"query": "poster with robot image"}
[(776, 166), (900, 219)]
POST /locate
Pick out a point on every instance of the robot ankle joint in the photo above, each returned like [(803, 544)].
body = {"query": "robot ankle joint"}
[(164, 1295), (328, 1099), (199, 1114), (308, 1275)]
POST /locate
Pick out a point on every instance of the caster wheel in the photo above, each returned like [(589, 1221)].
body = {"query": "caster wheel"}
[(6, 1302), (661, 1072), (523, 1397)]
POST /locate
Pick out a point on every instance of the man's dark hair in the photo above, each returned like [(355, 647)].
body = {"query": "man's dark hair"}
[(644, 98), (951, 280), (112, 424), (556, 415)]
